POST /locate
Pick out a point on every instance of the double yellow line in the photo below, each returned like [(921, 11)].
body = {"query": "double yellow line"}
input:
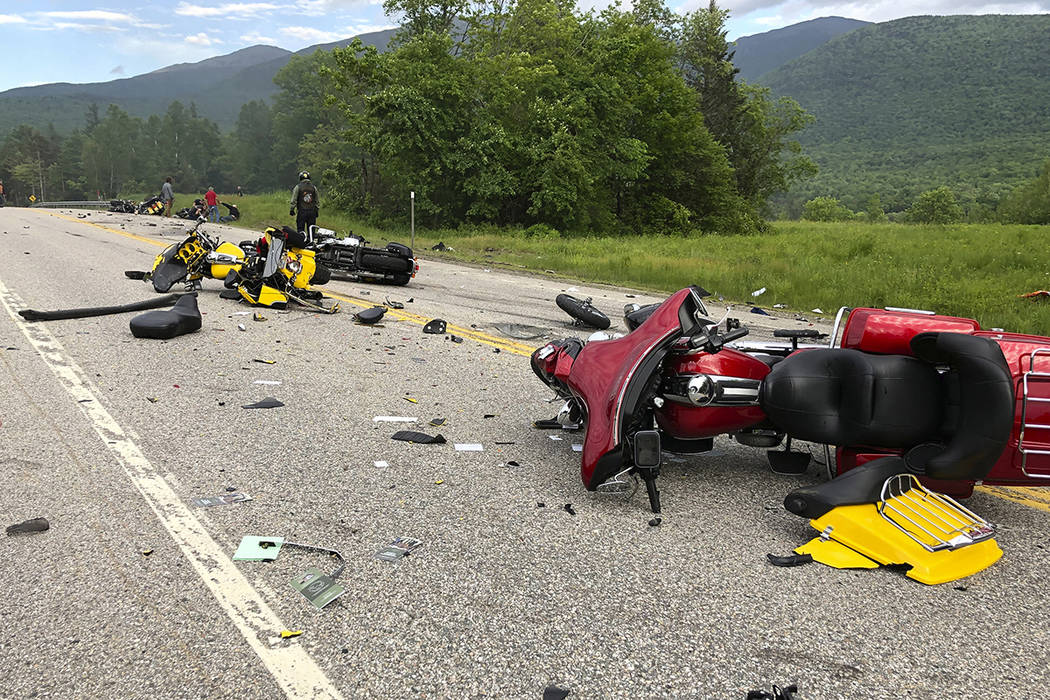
[(503, 344)]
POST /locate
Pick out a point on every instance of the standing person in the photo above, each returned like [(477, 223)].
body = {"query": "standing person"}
[(3, 194), (213, 204), (167, 195), (305, 203), (239, 192)]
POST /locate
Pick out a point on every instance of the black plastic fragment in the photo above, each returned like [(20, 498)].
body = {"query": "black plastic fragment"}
[(569, 509), (155, 303), (547, 424), (268, 402), (421, 438), (790, 559), (369, 316), (553, 692), (435, 327)]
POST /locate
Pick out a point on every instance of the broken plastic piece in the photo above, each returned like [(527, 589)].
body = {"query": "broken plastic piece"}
[(268, 402), (469, 447), (421, 438), (317, 587), (790, 559), (440, 246), (569, 509), (285, 634), (265, 362), (409, 398), (455, 338), (547, 424), (28, 527), (553, 692), (394, 419), (370, 316), (223, 500), (393, 304), (257, 548), (435, 326), (258, 317), (760, 312), (155, 303), (381, 464), (758, 292), (437, 422), (398, 549)]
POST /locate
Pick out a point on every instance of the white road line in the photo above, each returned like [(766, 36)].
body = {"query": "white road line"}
[(295, 671)]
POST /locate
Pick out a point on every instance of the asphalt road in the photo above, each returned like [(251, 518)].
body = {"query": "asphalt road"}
[(132, 591)]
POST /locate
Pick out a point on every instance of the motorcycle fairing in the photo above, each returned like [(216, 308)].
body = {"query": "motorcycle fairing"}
[(611, 377), (167, 270), (862, 529)]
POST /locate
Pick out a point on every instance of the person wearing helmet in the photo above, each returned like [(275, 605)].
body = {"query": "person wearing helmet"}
[(305, 203)]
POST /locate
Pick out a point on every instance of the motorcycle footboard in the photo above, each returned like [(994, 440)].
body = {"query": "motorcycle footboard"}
[(937, 538), (167, 274)]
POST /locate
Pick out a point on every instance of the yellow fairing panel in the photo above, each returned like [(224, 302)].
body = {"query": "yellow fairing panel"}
[(835, 554), (305, 258), (862, 529), (268, 296), (218, 271)]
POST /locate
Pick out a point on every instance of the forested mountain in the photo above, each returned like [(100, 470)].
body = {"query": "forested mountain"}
[(217, 86), (760, 53), (908, 105)]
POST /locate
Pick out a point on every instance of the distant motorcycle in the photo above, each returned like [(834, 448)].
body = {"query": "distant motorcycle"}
[(351, 255), (154, 206)]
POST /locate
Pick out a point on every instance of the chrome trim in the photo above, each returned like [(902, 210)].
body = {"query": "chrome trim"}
[(834, 338), (940, 518), (901, 309), (690, 389), (1025, 398)]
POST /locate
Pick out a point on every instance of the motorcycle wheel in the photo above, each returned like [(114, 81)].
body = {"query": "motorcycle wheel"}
[(383, 263), (322, 275), (582, 311)]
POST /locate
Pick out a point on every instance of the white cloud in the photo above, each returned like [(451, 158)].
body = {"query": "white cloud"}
[(232, 10), (81, 27), (89, 15), (256, 38), (12, 19), (201, 39), (314, 36)]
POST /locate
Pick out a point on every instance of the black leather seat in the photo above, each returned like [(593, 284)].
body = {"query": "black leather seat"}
[(957, 422), (849, 397), (182, 318)]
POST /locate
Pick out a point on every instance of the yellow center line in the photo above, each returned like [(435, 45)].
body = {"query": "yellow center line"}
[(1036, 498), (475, 335)]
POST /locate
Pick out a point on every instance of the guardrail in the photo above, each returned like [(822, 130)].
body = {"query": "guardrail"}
[(88, 204)]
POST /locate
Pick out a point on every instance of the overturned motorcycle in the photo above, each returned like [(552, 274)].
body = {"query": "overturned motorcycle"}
[(195, 257), (909, 401), (351, 255), (281, 267)]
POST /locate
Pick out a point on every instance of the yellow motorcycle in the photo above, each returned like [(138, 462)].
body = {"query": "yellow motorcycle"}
[(281, 269), (197, 256)]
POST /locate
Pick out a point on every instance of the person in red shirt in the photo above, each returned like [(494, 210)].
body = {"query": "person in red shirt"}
[(213, 204)]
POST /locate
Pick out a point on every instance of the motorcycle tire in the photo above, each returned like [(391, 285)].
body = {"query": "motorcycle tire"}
[(582, 311), (377, 262), (322, 275)]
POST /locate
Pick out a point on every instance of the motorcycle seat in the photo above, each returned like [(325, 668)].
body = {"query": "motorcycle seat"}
[(860, 485), (182, 318), (849, 397)]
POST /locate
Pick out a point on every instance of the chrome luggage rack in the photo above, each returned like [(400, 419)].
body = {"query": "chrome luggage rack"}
[(1035, 377), (935, 521)]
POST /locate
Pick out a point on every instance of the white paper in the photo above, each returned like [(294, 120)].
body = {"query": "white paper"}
[(469, 447), (381, 464), (554, 437), (577, 447), (269, 382), (394, 419)]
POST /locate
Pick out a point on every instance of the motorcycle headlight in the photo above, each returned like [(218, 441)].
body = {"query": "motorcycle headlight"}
[(295, 266)]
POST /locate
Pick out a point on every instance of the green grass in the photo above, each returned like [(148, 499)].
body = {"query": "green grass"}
[(968, 270)]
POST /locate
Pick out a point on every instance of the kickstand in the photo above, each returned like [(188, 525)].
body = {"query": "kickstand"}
[(649, 476)]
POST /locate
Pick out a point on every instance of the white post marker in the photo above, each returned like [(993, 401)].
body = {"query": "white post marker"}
[(413, 198)]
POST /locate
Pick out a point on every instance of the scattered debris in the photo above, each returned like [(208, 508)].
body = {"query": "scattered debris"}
[(241, 327), (577, 447), (553, 692), (394, 419), (455, 338), (223, 500), (758, 292), (264, 362), (155, 303), (28, 527), (381, 464), (258, 317), (790, 559), (490, 415), (421, 438), (152, 399), (788, 693), (569, 509), (370, 316), (469, 447), (286, 634), (147, 552), (546, 424), (398, 549), (816, 311), (441, 246), (410, 399), (555, 438), (437, 422), (268, 402), (393, 304), (317, 587), (268, 382), (256, 548), (779, 306), (760, 312), (436, 326)]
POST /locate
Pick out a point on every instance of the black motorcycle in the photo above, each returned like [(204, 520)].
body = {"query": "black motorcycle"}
[(122, 206), (153, 206), (351, 255)]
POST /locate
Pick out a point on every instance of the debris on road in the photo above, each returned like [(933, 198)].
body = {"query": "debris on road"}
[(63, 314), (420, 438), (435, 326), (394, 419), (28, 527), (286, 634), (264, 362), (223, 500), (437, 422), (398, 549), (268, 402), (469, 447), (521, 332), (370, 316), (393, 304), (569, 509), (455, 338), (164, 324), (759, 311), (317, 587), (256, 548), (553, 692), (758, 292)]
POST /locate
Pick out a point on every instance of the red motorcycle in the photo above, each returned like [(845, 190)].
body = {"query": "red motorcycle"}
[(951, 403)]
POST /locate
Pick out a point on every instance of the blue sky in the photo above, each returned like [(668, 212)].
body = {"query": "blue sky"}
[(44, 41)]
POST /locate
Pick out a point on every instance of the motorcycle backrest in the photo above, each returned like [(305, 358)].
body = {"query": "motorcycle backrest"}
[(316, 232)]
